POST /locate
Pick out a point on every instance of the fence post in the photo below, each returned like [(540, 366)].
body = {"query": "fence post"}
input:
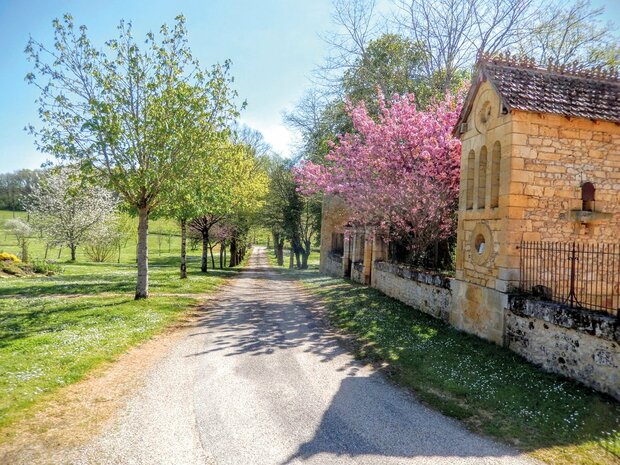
[(572, 296)]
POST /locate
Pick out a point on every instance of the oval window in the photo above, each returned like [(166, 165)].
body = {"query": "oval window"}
[(480, 244)]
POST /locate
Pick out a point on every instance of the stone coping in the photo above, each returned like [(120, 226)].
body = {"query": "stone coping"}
[(335, 257), (585, 321), (408, 272)]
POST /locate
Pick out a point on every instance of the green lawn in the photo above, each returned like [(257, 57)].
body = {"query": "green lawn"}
[(55, 329), (492, 390)]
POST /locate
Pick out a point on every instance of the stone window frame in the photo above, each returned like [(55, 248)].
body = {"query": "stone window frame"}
[(469, 180), (496, 157), (483, 165)]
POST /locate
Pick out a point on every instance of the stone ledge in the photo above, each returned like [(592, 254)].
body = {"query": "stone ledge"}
[(407, 272), (584, 321)]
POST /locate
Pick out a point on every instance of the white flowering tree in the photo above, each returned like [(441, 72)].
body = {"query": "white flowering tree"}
[(67, 211), (22, 232)]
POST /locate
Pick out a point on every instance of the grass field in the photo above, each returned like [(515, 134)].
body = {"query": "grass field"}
[(54, 330), (492, 390)]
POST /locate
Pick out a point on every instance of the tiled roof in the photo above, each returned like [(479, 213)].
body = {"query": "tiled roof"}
[(543, 91), (571, 92)]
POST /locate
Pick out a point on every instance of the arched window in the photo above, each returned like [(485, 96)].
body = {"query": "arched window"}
[(471, 166), (495, 167), (482, 178)]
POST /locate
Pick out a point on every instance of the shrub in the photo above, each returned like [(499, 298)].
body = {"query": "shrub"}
[(12, 268), (46, 267), (9, 256)]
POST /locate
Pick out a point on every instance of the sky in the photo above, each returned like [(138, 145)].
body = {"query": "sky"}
[(274, 45)]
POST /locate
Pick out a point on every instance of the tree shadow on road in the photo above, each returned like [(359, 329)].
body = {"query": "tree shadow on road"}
[(365, 419)]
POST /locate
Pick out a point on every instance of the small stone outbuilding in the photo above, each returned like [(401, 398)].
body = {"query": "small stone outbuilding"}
[(540, 177)]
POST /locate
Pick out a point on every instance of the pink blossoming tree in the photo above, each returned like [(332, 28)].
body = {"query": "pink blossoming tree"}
[(399, 173)]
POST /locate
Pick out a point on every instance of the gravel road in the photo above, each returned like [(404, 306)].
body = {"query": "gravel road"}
[(259, 382)]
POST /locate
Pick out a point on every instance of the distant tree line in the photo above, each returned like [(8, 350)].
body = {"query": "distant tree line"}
[(15, 187)]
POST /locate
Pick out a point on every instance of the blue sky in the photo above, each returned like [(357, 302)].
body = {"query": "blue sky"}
[(273, 44)]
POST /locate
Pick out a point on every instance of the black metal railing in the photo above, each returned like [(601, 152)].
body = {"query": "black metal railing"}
[(579, 275)]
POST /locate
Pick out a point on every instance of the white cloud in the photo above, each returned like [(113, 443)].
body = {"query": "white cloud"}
[(276, 134)]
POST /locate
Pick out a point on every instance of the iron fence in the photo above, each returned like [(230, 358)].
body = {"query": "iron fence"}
[(579, 275)]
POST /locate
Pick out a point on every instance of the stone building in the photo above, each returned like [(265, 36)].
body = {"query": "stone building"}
[(532, 137), (539, 210)]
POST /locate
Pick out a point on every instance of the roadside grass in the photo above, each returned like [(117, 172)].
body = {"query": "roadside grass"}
[(55, 329), (48, 343), (492, 390), (96, 278)]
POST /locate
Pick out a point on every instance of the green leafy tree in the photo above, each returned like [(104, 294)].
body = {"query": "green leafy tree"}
[(128, 115), (573, 31), (290, 215), (235, 185), (391, 62)]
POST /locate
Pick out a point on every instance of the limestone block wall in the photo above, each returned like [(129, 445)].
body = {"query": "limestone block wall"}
[(333, 218), (552, 158), (427, 292), (581, 345), (478, 310), (332, 265), (357, 273)]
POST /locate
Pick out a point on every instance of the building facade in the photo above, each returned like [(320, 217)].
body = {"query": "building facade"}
[(539, 211)]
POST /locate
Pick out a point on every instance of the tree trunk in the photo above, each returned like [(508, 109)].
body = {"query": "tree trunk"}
[(142, 284), (222, 255), (47, 247), (212, 259), (119, 252), (290, 258), (59, 252), (233, 252), (296, 248), (280, 252), (73, 247), (183, 249), (305, 253), (204, 261), (25, 251)]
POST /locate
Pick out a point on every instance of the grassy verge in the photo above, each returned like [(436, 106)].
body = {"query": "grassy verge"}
[(55, 329), (492, 390), (48, 343)]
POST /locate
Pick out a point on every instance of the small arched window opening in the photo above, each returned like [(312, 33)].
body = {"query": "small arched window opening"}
[(587, 197), (471, 167), (482, 178), (495, 170)]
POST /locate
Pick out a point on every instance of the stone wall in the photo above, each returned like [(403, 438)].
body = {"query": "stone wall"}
[(552, 157), (579, 344), (332, 265), (333, 218), (357, 272), (427, 292)]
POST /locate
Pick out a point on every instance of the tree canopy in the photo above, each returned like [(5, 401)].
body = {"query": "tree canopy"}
[(133, 115)]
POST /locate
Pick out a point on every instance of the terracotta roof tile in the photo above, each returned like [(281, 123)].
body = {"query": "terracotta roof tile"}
[(543, 91)]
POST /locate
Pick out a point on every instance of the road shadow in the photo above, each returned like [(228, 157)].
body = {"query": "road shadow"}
[(262, 319), (366, 419), (367, 416)]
